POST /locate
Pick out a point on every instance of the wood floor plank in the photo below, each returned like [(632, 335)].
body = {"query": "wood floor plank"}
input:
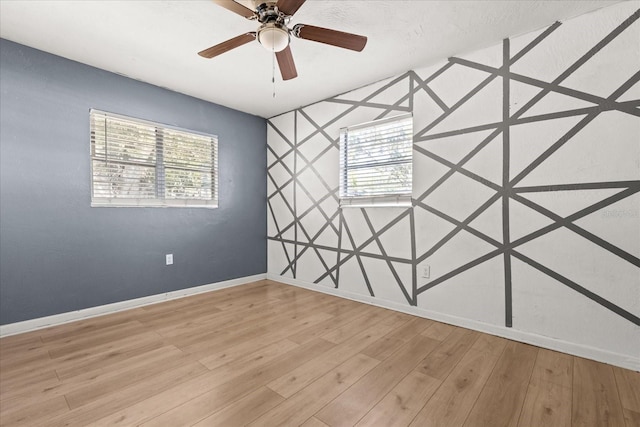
[(20, 345), (92, 323), (245, 410), (219, 324), (338, 321), (405, 330), (90, 413), (313, 422), (82, 335), (28, 360), (451, 403), (439, 363), (163, 319), (233, 352), (240, 365), (82, 329), (344, 307), (412, 328), (94, 383), (239, 302), (86, 359), (345, 332), (114, 353), (291, 293), (15, 398), (240, 296), (98, 340), (298, 378), (302, 405), (112, 382), (402, 404), (208, 403), (553, 367), (195, 330), (39, 379), (396, 316), (500, 402), (628, 383), (191, 389), (354, 403), (216, 355), (236, 302), (438, 331), (548, 399), (247, 304), (214, 341), (255, 288), (632, 418), (546, 405), (383, 348), (150, 355), (290, 310), (189, 326), (595, 395), (36, 413)]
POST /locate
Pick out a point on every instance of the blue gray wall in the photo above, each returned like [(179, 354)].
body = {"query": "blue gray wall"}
[(57, 254)]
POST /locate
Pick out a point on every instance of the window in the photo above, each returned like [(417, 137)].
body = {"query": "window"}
[(140, 163), (375, 163)]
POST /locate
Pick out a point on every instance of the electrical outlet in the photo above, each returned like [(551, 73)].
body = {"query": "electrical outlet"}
[(169, 259), (425, 271)]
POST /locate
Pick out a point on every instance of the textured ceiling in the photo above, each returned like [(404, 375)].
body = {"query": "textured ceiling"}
[(157, 42)]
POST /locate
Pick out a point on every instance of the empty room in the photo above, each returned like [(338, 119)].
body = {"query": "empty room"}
[(320, 213)]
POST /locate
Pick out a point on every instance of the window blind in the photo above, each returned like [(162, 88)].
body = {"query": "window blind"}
[(140, 163), (376, 162)]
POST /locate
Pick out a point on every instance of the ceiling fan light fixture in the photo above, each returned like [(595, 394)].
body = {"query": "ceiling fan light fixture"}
[(273, 37)]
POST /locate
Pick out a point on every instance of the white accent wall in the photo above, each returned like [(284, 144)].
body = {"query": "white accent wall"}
[(526, 181)]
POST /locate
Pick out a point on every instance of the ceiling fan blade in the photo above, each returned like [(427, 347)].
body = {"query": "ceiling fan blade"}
[(286, 64), (228, 45), (332, 37), (236, 8), (289, 7)]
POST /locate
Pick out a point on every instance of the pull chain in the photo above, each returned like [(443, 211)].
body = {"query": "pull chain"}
[(273, 73)]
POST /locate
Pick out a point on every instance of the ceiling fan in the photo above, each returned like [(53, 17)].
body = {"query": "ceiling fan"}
[(274, 34)]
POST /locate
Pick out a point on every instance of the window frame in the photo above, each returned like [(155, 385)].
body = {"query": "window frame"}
[(159, 165), (378, 200)]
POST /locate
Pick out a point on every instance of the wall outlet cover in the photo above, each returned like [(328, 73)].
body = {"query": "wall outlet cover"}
[(425, 271)]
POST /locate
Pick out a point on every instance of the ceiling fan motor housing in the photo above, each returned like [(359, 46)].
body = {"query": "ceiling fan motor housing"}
[(269, 12)]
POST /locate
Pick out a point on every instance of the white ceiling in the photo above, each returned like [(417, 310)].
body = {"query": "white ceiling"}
[(157, 42)]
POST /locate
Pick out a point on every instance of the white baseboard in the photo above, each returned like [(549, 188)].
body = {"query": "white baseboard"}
[(621, 360), (71, 316)]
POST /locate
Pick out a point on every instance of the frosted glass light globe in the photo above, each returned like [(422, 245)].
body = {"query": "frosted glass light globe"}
[(273, 38)]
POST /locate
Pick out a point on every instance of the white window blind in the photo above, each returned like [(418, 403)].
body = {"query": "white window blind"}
[(376, 162), (140, 163)]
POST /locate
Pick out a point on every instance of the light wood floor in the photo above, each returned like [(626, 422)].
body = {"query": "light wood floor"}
[(268, 354)]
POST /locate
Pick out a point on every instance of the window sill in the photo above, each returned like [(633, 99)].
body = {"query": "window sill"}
[(403, 201), (377, 205), (207, 204)]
